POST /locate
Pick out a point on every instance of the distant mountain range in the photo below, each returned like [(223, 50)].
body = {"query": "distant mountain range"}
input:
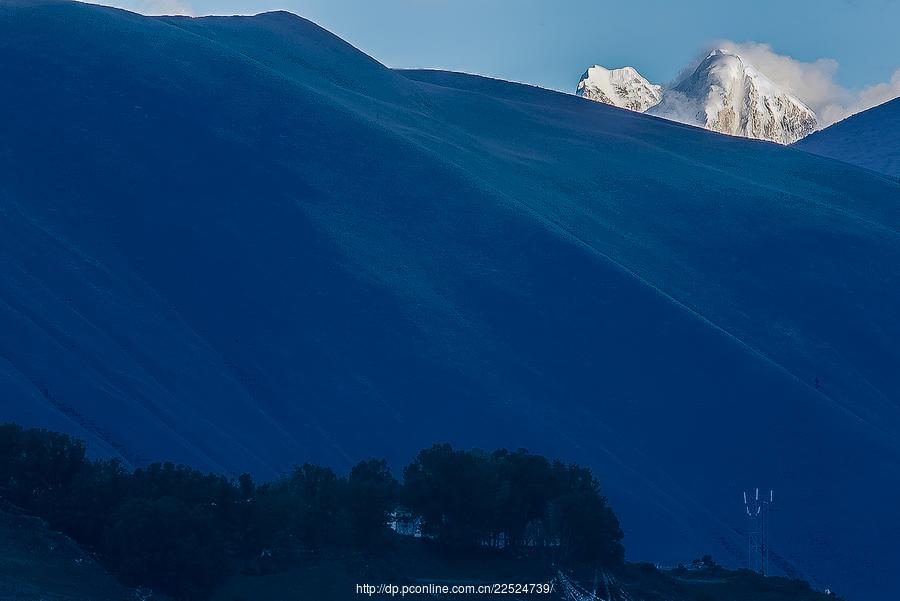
[(241, 243), (723, 94)]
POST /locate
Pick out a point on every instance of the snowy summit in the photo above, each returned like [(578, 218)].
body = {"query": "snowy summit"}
[(723, 94), (624, 87), (727, 95)]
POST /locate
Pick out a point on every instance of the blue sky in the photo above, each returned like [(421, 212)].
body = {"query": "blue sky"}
[(550, 43)]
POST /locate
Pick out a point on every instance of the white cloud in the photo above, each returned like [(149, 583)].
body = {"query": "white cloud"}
[(877, 94), (813, 82)]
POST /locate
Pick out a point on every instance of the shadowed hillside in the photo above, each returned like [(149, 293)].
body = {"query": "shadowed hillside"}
[(868, 139), (238, 241)]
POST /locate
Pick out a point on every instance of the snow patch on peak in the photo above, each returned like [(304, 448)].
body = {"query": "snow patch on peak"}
[(623, 87), (719, 51)]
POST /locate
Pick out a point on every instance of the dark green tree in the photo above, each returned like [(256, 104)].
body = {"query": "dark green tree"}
[(526, 485), (315, 494), (455, 493), (167, 545), (371, 495), (587, 529)]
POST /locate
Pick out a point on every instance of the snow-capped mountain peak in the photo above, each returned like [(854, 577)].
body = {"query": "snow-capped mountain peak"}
[(724, 94), (624, 87), (727, 95)]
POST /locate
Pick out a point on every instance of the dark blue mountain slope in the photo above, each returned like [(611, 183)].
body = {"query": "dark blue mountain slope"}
[(240, 243), (869, 139)]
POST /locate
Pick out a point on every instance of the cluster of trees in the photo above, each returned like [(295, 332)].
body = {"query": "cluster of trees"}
[(181, 532), (514, 500)]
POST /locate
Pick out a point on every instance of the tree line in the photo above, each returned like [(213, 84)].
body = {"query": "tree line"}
[(182, 532)]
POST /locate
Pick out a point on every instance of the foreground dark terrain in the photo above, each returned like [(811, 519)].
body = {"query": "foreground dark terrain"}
[(466, 518), (233, 242), (37, 563)]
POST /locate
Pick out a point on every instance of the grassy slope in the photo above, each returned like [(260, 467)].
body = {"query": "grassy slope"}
[(37, 564)]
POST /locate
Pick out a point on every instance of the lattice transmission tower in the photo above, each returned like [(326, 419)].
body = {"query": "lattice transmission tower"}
[(758, 508)]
